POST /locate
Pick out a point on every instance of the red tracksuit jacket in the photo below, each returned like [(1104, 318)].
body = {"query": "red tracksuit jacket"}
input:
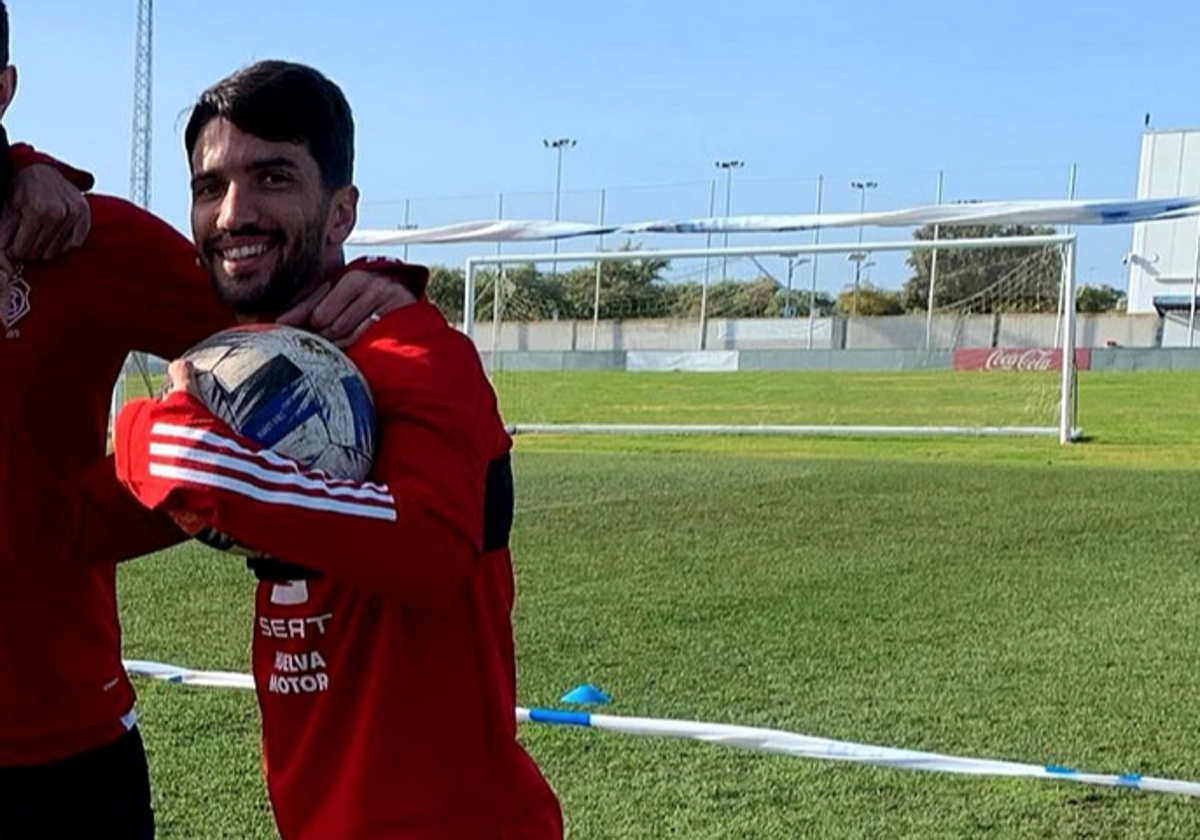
[(386, 681), (65, 328)]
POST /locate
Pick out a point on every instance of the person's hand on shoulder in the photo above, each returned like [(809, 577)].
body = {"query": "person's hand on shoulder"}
[(46, 216), (342, 312)]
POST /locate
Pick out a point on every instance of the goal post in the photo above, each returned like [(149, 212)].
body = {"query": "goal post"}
[(1058, 424)]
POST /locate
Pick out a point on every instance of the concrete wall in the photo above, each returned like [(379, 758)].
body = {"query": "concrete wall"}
[(1109, 359), (908, 332), (900, 332), (1175, 330), (1124, 359), (844, 360), (1118, 330)]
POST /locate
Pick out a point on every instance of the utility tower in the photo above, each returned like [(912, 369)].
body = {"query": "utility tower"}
[(139, 166), (143, 76)]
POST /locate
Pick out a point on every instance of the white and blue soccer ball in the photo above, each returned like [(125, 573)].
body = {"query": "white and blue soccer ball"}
[(292, 392)]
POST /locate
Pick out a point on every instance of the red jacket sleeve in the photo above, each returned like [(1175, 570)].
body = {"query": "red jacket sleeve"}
[(24, 155), (114, 527), (92, 518), (176, 457)]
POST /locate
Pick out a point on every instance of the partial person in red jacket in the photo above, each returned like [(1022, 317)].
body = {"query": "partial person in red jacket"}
[(383, 648), (71, 760)]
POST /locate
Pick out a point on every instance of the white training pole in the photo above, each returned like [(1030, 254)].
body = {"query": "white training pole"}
[(1061, 291), (497, 284), (780, 430), (749, 738), (596, 296), (469, 296), (933, 271), (812, 292), (1195, 291), (1065, 430)]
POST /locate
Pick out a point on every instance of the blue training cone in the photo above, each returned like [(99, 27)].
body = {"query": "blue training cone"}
[(586, 694)]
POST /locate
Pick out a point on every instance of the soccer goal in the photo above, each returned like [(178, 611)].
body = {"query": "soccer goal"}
[(668, 342)]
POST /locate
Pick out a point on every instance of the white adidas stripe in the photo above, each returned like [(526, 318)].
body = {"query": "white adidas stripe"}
[(285, 479), (213, 439), (275, 497)]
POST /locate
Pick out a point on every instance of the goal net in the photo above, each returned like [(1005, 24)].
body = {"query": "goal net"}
[(783, 339)]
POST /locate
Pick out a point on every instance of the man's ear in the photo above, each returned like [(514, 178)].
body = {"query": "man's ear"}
[(343, 215), (8, 87)]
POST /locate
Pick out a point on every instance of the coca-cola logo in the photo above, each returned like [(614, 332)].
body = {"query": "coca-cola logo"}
[(1017, 358), (1022, 360)]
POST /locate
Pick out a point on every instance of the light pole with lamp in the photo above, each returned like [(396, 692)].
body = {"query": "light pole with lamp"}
[(788, 311), (858, 256), (728, 166), (558, 145)]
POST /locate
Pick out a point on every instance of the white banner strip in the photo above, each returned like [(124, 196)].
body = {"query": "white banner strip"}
[(750, 738), (1100, 212)]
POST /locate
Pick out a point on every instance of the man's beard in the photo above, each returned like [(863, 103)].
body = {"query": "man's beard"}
[(293, 274)]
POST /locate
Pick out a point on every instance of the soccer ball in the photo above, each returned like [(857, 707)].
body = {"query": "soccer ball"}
[(291, 392)]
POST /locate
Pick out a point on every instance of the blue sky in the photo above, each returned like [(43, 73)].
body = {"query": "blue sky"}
[(453, 99)]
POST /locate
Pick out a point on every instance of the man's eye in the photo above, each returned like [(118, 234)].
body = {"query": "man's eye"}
[(206, 190), (275, 179)]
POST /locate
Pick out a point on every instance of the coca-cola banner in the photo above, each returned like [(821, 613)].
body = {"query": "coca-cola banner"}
[(1017, 358)]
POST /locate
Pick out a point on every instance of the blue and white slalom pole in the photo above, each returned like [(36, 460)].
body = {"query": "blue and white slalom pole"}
[(750, 738), (825, 749)]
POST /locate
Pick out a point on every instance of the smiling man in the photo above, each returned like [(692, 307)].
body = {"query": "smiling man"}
[(71, 757), (263, 212), (383, 658)]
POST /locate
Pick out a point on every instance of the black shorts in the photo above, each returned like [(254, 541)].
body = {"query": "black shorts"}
[(104, 793)]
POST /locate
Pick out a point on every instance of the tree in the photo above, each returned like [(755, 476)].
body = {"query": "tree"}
[(989, 279), (872, 300), (1101, 299), (525, 295), (628, 289), (445, 290)]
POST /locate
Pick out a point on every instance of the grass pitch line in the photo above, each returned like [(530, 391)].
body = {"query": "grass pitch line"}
[(750, 738)]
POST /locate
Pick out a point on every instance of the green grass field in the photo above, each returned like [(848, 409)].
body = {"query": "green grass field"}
[(995, 598)]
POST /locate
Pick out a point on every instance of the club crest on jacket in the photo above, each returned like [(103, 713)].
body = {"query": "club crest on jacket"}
[(14, 302)]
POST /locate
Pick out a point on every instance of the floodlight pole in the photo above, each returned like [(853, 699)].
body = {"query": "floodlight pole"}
[(702, 339), (787, 299), (728, 166), (407, 208), (792, 262), (862, 187), (558, 145)]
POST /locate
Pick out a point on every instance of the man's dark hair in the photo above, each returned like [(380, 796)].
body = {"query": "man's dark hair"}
[(3, 35), (282, 102), (6, 163)]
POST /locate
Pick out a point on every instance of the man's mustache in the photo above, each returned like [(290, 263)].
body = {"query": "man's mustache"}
[(226, 238)]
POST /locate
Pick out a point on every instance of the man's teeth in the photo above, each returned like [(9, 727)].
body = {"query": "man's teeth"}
[(245, 252)]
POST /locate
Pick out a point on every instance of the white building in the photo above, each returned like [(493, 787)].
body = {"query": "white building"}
[(1164, 258)]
